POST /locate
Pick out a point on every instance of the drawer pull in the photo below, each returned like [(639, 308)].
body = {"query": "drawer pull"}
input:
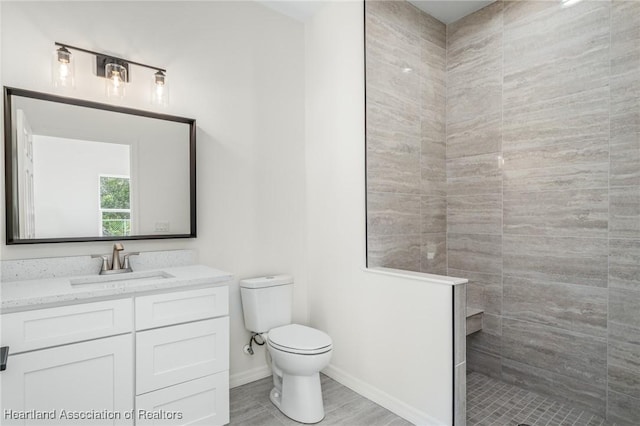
[(4, 354)]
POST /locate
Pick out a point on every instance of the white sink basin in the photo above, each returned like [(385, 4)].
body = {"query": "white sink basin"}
[(128, 277)]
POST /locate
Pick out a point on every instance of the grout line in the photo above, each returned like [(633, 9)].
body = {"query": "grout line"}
[(606, 389)]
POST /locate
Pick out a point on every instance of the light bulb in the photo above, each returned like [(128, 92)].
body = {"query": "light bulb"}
[(159, 89), (62, 68), (116, 78)]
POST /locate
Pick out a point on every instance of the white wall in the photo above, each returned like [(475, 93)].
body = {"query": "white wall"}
[(66, 183), (238, 69), (392, 336)]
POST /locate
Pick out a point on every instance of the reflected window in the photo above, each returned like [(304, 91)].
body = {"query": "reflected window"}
[(115, 206)]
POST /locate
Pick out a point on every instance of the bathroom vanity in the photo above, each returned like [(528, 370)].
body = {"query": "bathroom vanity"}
[(148, 347)]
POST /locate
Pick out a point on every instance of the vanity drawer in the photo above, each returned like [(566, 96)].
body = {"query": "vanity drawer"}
[(171, 355), (183, 306), (29, 330), (202, 401)]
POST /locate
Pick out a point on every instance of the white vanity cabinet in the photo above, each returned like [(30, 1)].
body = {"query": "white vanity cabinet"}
[(61, 366), (182, 370), (160, 359)]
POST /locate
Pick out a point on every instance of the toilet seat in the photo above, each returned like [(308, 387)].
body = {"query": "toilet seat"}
[(299, 339)]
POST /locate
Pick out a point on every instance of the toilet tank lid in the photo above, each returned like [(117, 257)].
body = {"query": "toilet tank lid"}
[(268, 281)]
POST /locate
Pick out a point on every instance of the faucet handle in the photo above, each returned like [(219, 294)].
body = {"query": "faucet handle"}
[(126, 259), (105, 261)]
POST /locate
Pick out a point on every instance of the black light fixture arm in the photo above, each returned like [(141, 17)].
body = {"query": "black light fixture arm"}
[(79, 49)]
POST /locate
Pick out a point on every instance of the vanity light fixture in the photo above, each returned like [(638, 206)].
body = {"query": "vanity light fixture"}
[(115, 70)]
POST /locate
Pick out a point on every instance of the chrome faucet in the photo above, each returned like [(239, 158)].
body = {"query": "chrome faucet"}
[(117, 266)]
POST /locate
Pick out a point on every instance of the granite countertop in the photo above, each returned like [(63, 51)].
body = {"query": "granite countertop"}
[(48, 292)]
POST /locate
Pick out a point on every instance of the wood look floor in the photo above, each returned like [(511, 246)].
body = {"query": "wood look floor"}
[(490, 402), (250, 406)]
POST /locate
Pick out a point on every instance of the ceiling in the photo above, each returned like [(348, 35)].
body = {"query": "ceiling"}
[(300, 10), (448, 11)]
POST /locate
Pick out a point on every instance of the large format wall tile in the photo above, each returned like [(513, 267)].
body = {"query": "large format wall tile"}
[(489, 339), (434, 214), (393, 214), (625, 155), (624, 359), (624, 264), (623, 409), (474, 27), (433, 181), (484, 363), (579, 356), (387, 76), (480, 94), (561, 259), (479, 135), (484, 291), (585, 394), (393, 144), (516, 12), (561, 177), (625, 58), (540, 64), (580, 213), (475, 175), (624, 380), (476, 253), (433, 79), (508, 152), (567, 306), (433, 255), (395, 251), (406, 132), (624, 211), (474, 214), (624, 307), (433, 31), (400, 16), (570, 119), (557, 155)]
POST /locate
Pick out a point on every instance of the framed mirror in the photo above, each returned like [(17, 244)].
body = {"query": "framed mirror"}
[(83, 171)]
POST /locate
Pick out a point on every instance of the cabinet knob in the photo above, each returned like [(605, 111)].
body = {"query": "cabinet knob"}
[(4, 355)]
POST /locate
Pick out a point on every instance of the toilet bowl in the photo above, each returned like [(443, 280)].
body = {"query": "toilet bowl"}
[(298, 353)]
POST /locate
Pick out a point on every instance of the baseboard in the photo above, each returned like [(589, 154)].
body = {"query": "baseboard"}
[(239, 379), (382, 398)]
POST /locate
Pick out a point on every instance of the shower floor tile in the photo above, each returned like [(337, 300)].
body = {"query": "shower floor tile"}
[(491, 402)]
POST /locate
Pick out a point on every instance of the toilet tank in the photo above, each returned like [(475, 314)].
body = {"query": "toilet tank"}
[(266, 302)]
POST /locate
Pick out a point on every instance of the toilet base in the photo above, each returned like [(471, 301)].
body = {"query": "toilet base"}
[(298, 397)]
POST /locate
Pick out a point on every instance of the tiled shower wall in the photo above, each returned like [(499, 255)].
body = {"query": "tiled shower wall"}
[(542, 184), (406, 175), (543, 171)]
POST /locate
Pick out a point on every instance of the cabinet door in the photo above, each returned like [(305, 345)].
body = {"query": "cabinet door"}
[(93, 378), (171, 355), (203, 401)]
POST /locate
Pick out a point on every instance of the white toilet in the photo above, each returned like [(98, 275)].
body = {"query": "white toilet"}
[(298, 353)]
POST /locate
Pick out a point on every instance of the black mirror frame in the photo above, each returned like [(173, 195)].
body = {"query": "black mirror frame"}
[(12, 227)]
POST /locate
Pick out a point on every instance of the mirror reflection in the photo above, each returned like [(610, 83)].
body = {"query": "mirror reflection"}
[(80, 172)]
